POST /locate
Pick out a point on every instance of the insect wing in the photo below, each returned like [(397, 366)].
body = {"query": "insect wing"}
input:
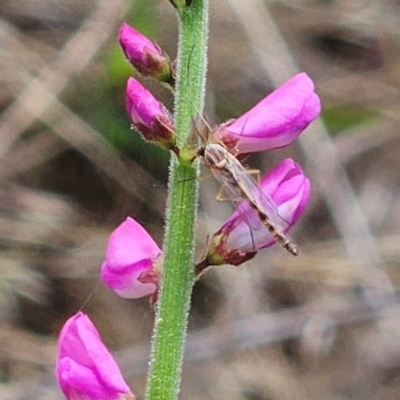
[(249, 215), (227, 185), (262, 202), (234, 193)]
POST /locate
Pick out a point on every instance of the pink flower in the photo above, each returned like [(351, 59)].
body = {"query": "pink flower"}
[(275, 121), (235, 242), (149, 116), (85, 368), (130, 268), (145, 55)]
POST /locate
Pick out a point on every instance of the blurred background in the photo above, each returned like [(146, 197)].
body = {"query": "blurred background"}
[(324, 325)]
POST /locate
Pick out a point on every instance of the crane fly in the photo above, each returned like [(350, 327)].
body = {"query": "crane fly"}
[(238, 184)]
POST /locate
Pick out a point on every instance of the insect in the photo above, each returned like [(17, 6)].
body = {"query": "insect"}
[(237, 183)]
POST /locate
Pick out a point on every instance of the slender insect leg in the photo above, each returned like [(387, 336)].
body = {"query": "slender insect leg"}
[(254, 172)]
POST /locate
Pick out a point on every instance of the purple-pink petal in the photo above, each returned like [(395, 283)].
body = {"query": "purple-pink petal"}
[(141, 105), (275, 121), (75, 379), (126, 281), (150, 118), (292, 197), (85, 367), (134, 44), (147, 58), (130, 243), (271, 182), (289, 188), (131, 253)]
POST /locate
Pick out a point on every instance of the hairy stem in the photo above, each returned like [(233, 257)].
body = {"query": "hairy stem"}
[(178, 275)]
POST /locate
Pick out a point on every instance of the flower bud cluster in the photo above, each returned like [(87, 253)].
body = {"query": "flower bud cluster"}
[(147, 115)]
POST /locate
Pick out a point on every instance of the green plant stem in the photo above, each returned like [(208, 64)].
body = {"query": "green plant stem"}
[(178, 274)]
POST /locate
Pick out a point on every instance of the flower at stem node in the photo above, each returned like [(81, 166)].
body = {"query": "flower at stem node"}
[(235, 242), (276, 121), (149, 117), (133, 261)]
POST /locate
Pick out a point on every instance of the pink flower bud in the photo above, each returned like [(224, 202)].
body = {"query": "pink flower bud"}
[(235, 242), (145, 55), (275, 121), (85, 368), (149, 116), (132, 257)]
